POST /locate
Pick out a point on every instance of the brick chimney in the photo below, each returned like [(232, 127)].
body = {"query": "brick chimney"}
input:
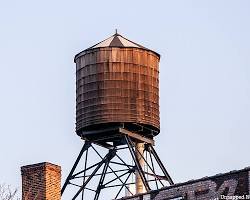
[(41, 181)]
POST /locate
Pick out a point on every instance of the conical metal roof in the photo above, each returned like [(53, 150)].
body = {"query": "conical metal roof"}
[(116, 40)]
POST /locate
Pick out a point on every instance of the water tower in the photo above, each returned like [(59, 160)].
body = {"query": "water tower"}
[(117, 108)]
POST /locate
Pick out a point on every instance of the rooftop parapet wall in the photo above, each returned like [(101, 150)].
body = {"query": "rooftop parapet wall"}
[(232, 185)]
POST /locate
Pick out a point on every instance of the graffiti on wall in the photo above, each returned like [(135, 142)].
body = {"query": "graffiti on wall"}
[(214, 188)]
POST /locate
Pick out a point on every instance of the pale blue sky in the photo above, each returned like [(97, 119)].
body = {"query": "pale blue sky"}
[(204, 79)]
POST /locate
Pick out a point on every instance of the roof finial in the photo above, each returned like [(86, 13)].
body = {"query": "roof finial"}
[(116, 31)]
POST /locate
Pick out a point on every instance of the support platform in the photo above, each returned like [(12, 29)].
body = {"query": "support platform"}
[(94, 173)]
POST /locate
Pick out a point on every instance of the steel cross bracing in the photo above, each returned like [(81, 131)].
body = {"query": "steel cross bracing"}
[(113, 171)]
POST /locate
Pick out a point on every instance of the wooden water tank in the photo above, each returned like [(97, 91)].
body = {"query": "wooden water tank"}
[(117, 82)]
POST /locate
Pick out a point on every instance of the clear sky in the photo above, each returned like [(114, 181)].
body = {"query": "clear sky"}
[(204, 79)]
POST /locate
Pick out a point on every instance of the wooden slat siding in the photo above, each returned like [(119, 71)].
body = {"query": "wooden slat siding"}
[(117, 85)]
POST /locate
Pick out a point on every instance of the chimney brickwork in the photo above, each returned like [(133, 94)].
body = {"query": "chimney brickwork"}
[(41, 181)]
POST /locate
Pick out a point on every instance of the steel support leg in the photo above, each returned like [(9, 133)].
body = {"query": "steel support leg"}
[(160, 164), (86, 145), (100, 185), (108, 157)]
